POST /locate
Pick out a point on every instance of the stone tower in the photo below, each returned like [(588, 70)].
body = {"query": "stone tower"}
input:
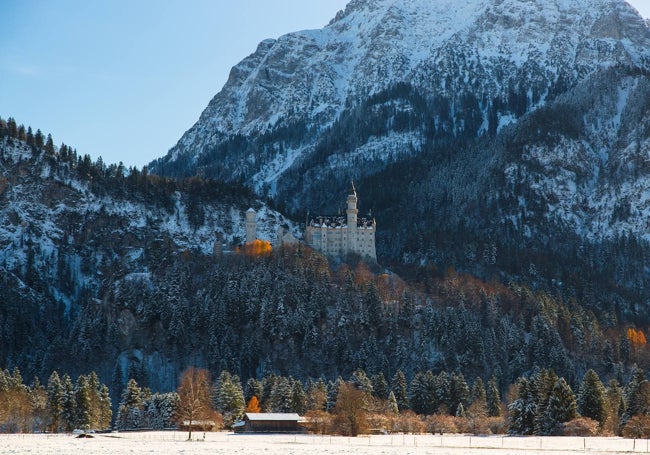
[(251, 225), (352, 219)]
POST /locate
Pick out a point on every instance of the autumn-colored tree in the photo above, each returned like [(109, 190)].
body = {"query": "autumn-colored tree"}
[(350, 417), (195, 403), (253, 405), (256, 248), (636, 337)]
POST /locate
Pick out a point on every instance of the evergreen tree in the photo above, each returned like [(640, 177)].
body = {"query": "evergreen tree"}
[(442, 394), (493, 398), (252, 389), (459, 391), (379, 386), (129, 413), (392, 403), (69, 408), (561, 407), (591, 397), (361, 381), (298, 398), (637, 395), (316, 395), (478, 393), (399, 387), (422, 396), (55, 401), (281, 395), (229, 397), (105, 408), (83, 403), (523, 409), (39, 405)]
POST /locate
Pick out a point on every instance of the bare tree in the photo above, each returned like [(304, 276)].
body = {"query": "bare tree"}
[(195, 403)]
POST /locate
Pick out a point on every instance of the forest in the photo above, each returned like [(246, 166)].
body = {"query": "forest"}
[(292, 319)]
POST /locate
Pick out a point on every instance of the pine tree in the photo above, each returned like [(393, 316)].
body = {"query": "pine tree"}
[(252, 389), (523, 409), (129, 412), (459, 391), (69, 408), (392, 403), (316, 396), (591, 397), (83, 403), (55, 400), (399, 387), (105, 408), (298, 398), (442, 393), (361, 381), (229, 397), (561, 407), (379, 386), (637, 396), (493, 398), (422, 396), (39, 405), (478, 393)]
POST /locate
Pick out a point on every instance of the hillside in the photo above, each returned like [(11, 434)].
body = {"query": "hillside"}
[(104, 270), (504, 138)]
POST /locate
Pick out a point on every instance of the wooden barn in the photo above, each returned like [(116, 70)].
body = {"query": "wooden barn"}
[(269, 422)]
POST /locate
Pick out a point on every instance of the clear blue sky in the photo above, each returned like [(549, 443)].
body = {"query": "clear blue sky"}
[(124, 79)]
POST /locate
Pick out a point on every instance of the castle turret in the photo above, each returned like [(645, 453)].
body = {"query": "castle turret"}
[(352, 219), (251, 225)]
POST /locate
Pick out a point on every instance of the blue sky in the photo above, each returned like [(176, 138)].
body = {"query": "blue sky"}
[(124, 79)]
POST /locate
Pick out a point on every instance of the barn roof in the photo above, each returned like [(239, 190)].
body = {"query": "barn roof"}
[(272, 416)]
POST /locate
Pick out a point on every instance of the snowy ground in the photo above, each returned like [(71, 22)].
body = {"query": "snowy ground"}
[(228, 443)]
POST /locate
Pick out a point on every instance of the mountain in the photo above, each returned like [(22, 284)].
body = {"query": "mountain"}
[(492, 136)]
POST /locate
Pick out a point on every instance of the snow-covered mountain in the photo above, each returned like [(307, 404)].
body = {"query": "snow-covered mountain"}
[(502, 119)]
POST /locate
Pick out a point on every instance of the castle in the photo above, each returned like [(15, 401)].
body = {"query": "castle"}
[(331, 235), (339, 235)]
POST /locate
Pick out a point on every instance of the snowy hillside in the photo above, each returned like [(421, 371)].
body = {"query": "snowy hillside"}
[(443, 48)]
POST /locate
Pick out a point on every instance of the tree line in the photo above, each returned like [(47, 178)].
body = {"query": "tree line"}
[(59, 406)]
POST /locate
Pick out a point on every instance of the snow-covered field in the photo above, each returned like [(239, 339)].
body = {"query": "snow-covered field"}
[(228, 443)]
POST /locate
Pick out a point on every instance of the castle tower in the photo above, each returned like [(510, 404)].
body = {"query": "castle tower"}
[(352, 219), (251, 225)]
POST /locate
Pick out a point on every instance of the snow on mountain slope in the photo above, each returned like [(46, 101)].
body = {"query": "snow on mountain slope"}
[(442, 46), (60, 225), (390, 81)]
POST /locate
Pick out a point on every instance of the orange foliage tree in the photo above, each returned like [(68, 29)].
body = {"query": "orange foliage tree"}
[(253, 405), (636, 337), (256, 248)]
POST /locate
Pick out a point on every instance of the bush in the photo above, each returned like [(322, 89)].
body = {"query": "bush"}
[(318, 422), (407, 422), (439, 423), (582, 426), (637, 427), (497, 425)]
